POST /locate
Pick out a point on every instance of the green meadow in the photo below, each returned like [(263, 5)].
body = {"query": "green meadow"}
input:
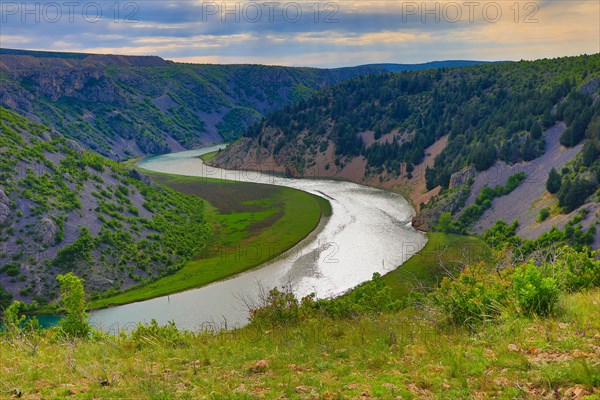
[(251, 224)]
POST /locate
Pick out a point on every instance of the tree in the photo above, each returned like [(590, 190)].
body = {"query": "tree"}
[(554, 181), (536, 131), (446, 224), (72, 300), (589, 154), (5, 298), (13, 318), (573, 193)]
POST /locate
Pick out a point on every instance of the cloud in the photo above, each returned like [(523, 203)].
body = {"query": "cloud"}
[(348, 32)]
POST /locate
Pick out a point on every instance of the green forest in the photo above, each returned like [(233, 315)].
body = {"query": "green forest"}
[(491, 112)]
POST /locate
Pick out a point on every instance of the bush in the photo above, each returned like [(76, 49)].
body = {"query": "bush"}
[(153, 333), (279, 308), (477, 295), (534, 293), (446, 224), (282, 308), (576, 270), (544, 214)]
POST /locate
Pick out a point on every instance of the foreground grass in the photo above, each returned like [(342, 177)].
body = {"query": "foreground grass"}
[(443, 253), (403, 355), (252, 224)]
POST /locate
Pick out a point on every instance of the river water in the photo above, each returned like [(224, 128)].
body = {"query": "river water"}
[(369, 231)]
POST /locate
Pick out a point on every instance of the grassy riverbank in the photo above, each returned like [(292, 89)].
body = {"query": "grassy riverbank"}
[(443, 253), (209, 156), (252, 223)]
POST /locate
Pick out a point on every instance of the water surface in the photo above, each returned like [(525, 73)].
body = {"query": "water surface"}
[(369, 231)]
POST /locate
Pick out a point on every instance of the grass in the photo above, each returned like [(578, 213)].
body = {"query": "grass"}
[(405, 354), (252, 224), (442, 252), (209, 156)]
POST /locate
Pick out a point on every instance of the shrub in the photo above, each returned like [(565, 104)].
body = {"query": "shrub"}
[(534, 293), (446, 224), (280, 308), (544, 214), (152, 333), (5, 298), (476, 295), (576, 270)]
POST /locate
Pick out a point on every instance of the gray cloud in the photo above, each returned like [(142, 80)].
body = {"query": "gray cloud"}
[(357, 32)]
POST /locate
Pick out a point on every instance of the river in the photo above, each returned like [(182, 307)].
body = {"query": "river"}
[(369, 231)]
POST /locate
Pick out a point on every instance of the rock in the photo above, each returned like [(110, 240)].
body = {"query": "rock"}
[(590, 87), (4, 214), (461, 177), (304, 389), (135, 174), (74, 146), (260, 366), (46, 137), (3, 197), (513, 347), (46, 231)]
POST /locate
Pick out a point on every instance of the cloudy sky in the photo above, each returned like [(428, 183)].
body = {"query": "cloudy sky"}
[(321, 34)]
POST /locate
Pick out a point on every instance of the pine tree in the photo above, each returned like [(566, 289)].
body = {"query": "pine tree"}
[(536, 131), (554, 181)]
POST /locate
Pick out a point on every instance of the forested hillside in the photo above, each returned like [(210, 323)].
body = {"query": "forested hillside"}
[(122, 106), (63, 208), (378, 128)]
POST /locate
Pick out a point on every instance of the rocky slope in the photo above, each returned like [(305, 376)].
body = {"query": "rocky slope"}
[(429, 134), (63, 208)]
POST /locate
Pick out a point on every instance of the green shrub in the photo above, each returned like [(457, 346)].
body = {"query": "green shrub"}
[(534, 293), (152, 333), (280, 308), (476, 295), (544, 214), (575, 270)]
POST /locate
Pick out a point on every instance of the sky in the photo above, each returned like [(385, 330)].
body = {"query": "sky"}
[(314, 33)]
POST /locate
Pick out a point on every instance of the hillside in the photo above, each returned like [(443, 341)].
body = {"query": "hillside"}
[(124, 106), (430, 134), (63, 208)]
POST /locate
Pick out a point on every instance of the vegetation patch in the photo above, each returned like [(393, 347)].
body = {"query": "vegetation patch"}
[(253, 223)]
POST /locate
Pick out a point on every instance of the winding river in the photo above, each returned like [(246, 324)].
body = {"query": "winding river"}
[(369, 231)]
